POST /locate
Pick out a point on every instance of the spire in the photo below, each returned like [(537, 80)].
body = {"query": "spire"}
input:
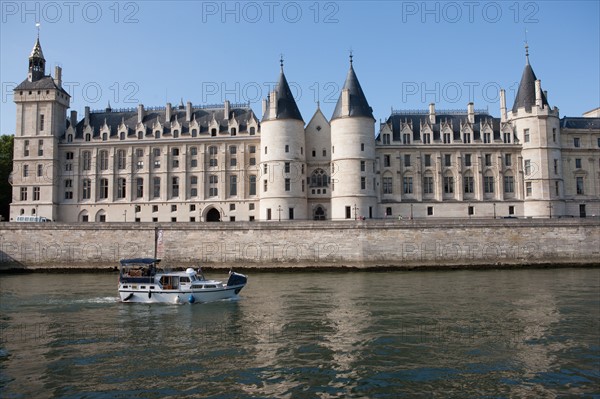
[(526, 93), (37, 62), (357, 102), (286, 107)]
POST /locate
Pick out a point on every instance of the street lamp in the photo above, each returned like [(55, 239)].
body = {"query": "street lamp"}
[(550, 209), (279, 211), (125, 215), (494, 210), (355, 212), (411, 211)]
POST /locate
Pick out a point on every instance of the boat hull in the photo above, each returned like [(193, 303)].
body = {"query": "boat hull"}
[(179, 296)]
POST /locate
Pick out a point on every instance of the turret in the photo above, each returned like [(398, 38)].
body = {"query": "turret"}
[(353, 180), (283, 169), (537, 127)]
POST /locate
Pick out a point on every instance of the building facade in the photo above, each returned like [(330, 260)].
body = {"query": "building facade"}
[(196, 163)]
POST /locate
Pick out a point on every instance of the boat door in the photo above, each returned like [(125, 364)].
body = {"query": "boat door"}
[(170, 282)]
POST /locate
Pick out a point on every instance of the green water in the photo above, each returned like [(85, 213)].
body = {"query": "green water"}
[(509, 333)]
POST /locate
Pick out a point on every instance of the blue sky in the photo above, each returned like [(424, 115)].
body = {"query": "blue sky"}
[(406, 53)]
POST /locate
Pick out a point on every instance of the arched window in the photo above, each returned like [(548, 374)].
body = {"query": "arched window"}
[(319, 179), (104, 136), (70, 138), (88, 137), (157, 134), (122, 136)]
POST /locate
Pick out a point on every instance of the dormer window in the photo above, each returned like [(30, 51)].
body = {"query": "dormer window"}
[(88, 137), (69, 138), (233, 131), (157, 134), (140, 135), (213, 132), (252, 131), (104, 136), (122, 136), (194, 132), (175, 133)]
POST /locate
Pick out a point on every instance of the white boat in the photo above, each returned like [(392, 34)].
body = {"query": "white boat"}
[(140, 280)]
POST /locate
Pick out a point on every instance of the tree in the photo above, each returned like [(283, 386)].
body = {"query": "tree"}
[(6, 160)]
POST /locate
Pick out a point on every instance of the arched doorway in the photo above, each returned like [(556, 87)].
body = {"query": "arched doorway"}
[(213, 215), (319, 213)]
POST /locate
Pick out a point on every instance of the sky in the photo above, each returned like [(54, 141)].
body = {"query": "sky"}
[(406, 54)]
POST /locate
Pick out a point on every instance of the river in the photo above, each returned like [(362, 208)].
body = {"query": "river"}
[(467, 333)]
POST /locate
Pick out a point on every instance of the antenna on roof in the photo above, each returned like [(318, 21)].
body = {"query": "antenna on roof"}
[(351, 56), (38, 30)]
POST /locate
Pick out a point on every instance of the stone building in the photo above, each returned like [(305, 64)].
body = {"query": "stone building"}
[(193, 163)]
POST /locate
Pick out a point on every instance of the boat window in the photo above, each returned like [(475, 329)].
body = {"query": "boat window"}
[(142, 287), (210, 286), (184, 279), (152, 287)]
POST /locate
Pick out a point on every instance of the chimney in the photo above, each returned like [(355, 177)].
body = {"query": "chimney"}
[(140, 113), (502, 105), (168, 113), (432, 113), (345, 102), (471, 112), (546, 94), (188, 111), (58, 76), (226, 110), (538, 93), (273, 105), (73, 118), (87, 116)]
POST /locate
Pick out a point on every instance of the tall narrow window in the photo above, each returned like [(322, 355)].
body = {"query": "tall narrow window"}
[(175, 186), (103, 194), (156, 187), (103, 160), (288, 184), (233, 185), (509, 184), (40, 148), (121, 159), (387, 185), (36, 193), (407, 185), (488, 184), (428, 185), (252, 188), (526, 135), (139, 189), (448, 184), (468, 183), (121, 188), (87, 189), (41, 122)]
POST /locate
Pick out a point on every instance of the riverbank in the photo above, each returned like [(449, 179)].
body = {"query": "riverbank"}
[(306, 245)]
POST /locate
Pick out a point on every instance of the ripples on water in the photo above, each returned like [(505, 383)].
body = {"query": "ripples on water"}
[(396, 334)]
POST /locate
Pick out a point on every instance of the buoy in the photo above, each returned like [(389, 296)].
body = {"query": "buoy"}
[(177, 300), (191, 299)]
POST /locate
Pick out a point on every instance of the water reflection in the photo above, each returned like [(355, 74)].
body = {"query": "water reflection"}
[(498, 333)]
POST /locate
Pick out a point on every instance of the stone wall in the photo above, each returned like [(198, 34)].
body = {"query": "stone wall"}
[(357, 244)]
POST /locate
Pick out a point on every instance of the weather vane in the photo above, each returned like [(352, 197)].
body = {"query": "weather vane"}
[(281, 60), (37, 24)]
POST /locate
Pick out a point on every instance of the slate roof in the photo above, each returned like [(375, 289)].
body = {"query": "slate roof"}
[(36, 52), (286, 105), (568, 122), (113, 119), (526, 92), (45, 83), (359, 105), (453, 120)]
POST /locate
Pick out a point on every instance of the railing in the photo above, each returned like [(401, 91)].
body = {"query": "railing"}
[(437, 111)]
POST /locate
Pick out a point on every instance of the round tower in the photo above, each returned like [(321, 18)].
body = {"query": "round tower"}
[(538, 128), (282, 184), (353, 194)]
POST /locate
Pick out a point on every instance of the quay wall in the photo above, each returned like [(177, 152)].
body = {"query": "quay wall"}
[(369, 244)]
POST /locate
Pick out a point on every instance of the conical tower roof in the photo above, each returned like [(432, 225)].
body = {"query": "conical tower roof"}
[(36, 52), (358, 102), (526, 93), (286, 105)]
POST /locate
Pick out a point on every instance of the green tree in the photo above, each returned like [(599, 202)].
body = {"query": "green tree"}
[(6, 160)]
